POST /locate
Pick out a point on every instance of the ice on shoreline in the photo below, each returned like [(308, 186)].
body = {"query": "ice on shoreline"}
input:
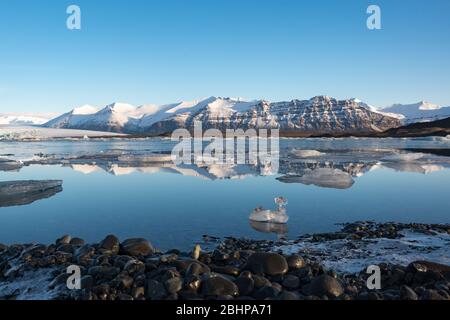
[(352, 256)]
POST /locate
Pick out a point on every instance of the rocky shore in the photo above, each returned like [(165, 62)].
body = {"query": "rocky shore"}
[(232, 269)]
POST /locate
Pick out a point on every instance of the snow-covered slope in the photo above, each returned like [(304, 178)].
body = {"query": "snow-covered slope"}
[(318, 115), (419, 112)]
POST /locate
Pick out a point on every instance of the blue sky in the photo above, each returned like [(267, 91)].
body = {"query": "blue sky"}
[(161, 51)]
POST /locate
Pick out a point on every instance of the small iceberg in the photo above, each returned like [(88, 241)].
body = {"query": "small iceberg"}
[(272, 216), (306, 153)]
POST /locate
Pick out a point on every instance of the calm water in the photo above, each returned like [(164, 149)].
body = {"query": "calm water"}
[(174, 207)]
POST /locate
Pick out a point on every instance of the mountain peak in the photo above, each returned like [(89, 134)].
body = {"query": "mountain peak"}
[(84, 110)]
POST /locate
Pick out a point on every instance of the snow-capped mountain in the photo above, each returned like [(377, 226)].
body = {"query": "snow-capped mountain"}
[(23, 119), (419, 112), (318, 115)]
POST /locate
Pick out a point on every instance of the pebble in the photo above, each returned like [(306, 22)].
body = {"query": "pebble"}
[(326, 285), (267, 263), (217, 285), (137, 247)]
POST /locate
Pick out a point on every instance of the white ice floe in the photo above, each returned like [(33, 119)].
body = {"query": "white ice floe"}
[(18, 133), (352, 256), (407, 157), (307, 153)]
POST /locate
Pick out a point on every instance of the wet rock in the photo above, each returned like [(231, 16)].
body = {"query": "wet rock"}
[(78, 242), (173, 285), (288, 295), (266, 292), (110, 244), (295, 262), (408, 294), (104, 272), (229, 270), (155, 290), (137, 247), (291, 282), (326, 285), (217, 285), (3, 247), (431, 295), (245, 283), (267, 263), (87, 282), (138, 292), (427, 265), (192, 283), (134, 267), (260, 281), (67, 248), (63, 240), (192, 267)]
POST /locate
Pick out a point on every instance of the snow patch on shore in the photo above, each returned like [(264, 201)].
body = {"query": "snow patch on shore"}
[(33, 285), (353, 256)]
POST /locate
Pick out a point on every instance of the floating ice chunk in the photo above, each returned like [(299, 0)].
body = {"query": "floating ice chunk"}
[(407, 157), (307, 153)]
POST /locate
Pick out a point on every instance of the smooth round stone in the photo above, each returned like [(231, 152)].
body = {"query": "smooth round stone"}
[(104, 272), (64, 240), (137, 292), (110, 243), (192, 267), (288, 295), (173, 285), (156, 290), (137, 247), (123, 282), (229, 270), (192, 283), (68, 248), (77, 242), (134, 266), (219, 286), (267, 263), (291, 282), (260, 281), (295, 262), (408, 294), (266, 292), (3, 247), (246, 284), (324, 285), (87, 282), (121, 261)]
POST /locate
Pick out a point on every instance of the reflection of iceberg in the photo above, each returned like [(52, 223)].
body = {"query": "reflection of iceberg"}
[(322, 177), (406, 157), (147, 158), (267, 227), (16, 193), (413, 167), (86, 168)]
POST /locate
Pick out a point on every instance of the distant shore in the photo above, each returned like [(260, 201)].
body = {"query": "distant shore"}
[(235, 268)]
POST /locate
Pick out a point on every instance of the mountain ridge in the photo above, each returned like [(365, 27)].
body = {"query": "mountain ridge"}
[(318, 114)]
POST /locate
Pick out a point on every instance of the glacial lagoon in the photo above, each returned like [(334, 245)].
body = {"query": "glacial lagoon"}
[(346, 180)]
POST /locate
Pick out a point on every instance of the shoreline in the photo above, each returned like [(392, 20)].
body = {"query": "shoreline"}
[(308, 268)]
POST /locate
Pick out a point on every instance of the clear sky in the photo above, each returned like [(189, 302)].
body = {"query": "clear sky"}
[(162, 51)]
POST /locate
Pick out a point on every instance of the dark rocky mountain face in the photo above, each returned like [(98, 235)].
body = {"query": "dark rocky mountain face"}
[(421, 129), (320, 115)]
